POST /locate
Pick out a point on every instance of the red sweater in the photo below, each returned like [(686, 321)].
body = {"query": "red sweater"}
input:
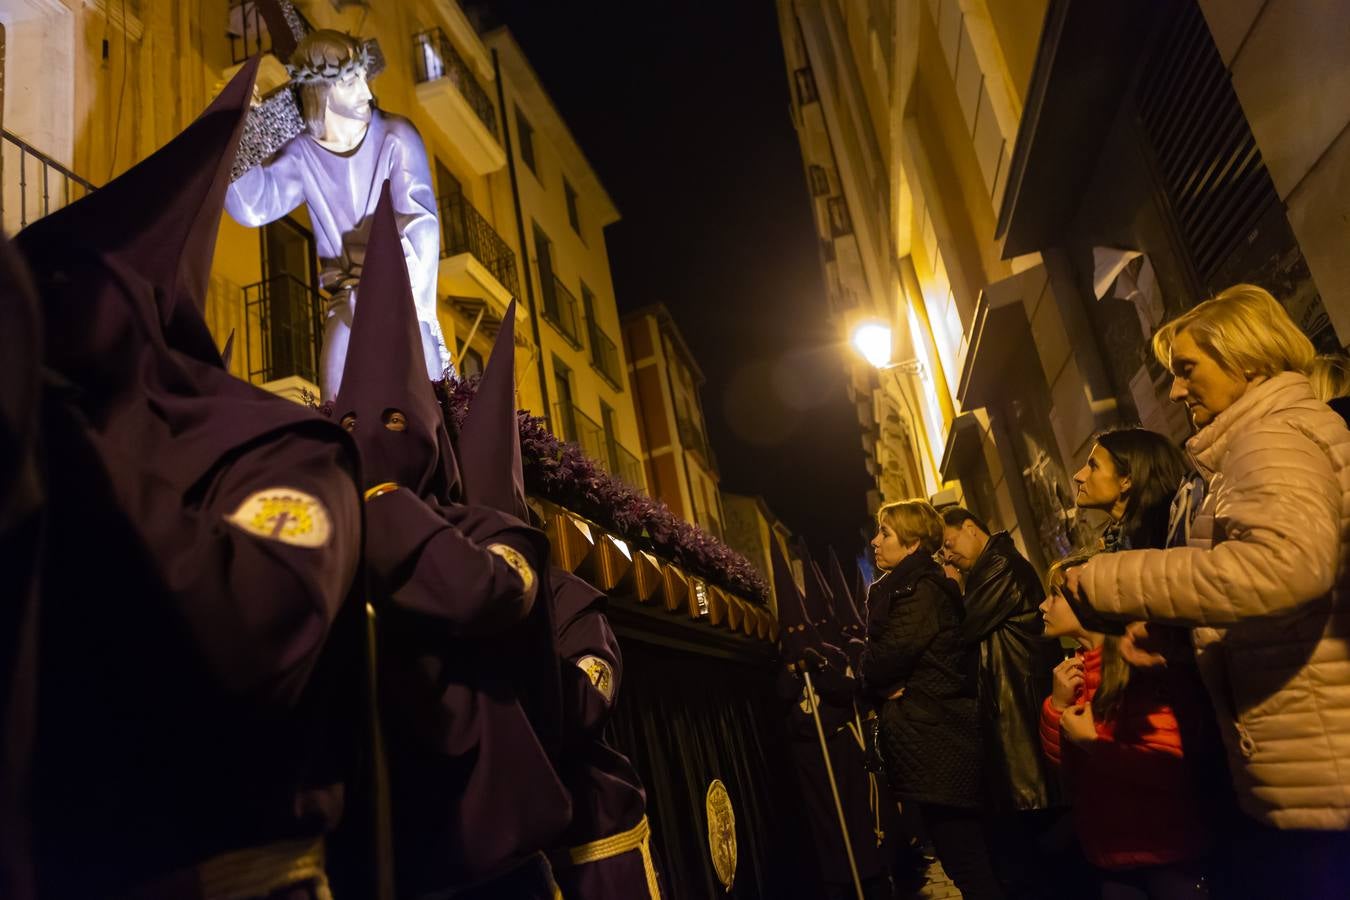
[(1133, 801)]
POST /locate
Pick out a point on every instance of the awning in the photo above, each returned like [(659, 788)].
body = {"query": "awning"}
[(1086, 62), (1001, 345)]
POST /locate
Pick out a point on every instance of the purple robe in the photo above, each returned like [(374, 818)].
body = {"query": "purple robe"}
[(474, 793), (341, 192), (196, 650), (846, 759), (607, 794), (21, 505)]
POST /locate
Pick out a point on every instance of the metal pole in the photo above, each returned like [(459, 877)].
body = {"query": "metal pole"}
[(834, 789)]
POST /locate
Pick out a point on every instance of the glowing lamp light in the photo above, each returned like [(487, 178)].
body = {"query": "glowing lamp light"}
[(873, 341)]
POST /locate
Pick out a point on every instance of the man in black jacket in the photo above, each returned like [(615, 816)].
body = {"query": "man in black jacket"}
[(1002, 596)]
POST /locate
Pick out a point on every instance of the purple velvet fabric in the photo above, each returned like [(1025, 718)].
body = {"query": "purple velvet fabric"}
[(190, 662), (489, 448), (473, 791), (21, 502), (607, 793), (384, 379)]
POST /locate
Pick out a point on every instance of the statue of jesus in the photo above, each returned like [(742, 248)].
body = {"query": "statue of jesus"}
[(336, 167)]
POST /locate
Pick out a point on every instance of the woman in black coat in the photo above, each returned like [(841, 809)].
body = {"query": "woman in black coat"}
[(923, 678)]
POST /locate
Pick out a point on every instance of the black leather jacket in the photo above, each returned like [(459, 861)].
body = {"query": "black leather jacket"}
[(1002, 597)]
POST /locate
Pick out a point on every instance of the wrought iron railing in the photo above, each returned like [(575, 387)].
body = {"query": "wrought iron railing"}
[(283, 331), (578, 428), (435, 57), (560, 308), (604, 355), (248, 30), (34, 183), (628, 468), (464, 230), (693, 438)]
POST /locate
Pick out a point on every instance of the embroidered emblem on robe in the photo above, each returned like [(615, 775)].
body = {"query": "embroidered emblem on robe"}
[(284, 514), (600, 674), (517, 563)]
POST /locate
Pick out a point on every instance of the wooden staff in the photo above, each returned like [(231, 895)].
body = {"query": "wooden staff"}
[(834, 789)]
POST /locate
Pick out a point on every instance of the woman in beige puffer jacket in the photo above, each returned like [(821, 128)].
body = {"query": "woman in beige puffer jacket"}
[(1263, 580)]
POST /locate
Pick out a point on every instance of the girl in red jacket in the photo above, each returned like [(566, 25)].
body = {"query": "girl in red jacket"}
[(1109, 728)]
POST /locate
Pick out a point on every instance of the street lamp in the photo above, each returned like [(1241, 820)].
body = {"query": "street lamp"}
[(873, 341)]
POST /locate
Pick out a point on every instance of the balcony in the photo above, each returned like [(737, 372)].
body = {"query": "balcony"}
[(560, 308), (693, 439), (604, 355), (34, 184), (455, 102), (578, 428), (283, 335), (475, 261)]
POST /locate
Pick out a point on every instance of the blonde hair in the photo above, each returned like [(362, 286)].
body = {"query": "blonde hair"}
[(913, 520), (1245, 329), (1330, 376), (1054, 576)]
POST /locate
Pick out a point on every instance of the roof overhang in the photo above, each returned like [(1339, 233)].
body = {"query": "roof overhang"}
[(1087, 59)]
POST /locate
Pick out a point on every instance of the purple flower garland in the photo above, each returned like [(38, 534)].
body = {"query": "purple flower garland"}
[(564, 474)]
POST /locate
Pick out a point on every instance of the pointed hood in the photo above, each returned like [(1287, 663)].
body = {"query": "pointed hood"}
[(489, 439), (122, 276), (227, 352), (795, 633), (818, 602), (160, 218), (845, 606), (384, 375)]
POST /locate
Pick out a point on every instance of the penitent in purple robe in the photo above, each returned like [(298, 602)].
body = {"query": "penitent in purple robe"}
[(607, 795), (341, 191), (473, 794), (196, 650)]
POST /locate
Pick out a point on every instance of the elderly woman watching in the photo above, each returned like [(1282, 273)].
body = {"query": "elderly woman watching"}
[(1262, 582)]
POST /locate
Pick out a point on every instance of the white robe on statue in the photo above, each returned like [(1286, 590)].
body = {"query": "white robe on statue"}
[(341, 191)]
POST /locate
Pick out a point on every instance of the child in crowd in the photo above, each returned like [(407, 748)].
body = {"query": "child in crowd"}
[(1109, 728)]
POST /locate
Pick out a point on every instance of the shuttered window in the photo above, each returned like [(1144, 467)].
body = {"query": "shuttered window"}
[(1206, 156)]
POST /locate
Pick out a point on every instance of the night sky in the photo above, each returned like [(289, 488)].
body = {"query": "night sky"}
[(683, 111)]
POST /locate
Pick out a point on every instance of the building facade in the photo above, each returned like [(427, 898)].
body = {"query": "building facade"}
[(119, 80), (1024, 190), (679, 461), (751, 529)]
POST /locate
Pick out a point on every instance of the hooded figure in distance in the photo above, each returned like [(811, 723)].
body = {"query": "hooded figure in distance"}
[(835, 687)]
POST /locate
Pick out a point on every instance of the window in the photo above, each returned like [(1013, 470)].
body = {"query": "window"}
[(525, 134), (447, 185), (611, 435), (572, 215), (840, 223), (472, 364), (566, 425), (820, 182), (806, 86), (287, 305)]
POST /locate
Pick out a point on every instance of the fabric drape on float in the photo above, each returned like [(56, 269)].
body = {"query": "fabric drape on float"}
[(685, 719)]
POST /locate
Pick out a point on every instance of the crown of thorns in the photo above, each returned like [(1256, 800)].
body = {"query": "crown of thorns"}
[(330, 67)]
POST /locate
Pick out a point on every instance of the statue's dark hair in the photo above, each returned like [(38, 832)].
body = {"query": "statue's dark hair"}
[(320, 59)]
